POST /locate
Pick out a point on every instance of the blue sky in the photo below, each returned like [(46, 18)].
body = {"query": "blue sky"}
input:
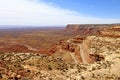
[(59, 12), (95, 8)]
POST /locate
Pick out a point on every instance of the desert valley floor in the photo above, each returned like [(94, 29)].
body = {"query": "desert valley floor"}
[(74, 52)]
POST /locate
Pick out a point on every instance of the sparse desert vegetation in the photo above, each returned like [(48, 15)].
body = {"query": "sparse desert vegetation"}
[(37, 38), (86, 56)]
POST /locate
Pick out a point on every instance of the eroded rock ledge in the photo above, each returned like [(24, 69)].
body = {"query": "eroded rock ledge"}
[(81, 58)]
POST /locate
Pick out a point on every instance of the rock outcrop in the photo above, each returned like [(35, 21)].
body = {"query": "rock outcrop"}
[(94, 57), (79, 46), (111, 32), (104, 51), (87, 28)]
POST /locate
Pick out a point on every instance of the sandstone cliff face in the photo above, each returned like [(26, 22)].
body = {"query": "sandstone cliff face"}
[(79, 46), (111, 32), (81, 30), (87, 28), (95, 57)]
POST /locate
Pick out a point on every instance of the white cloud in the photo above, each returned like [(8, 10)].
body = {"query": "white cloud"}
[(34, 12)]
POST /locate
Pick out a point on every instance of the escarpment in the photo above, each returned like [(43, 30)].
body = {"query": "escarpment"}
[(82, 57), (87, 28), (111, 32), (79, 46)]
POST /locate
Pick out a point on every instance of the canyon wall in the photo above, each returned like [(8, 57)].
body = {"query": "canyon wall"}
[(87, 28)]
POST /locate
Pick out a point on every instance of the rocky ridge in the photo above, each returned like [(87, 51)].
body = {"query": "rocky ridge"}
[(87, 28), (95, 57)]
